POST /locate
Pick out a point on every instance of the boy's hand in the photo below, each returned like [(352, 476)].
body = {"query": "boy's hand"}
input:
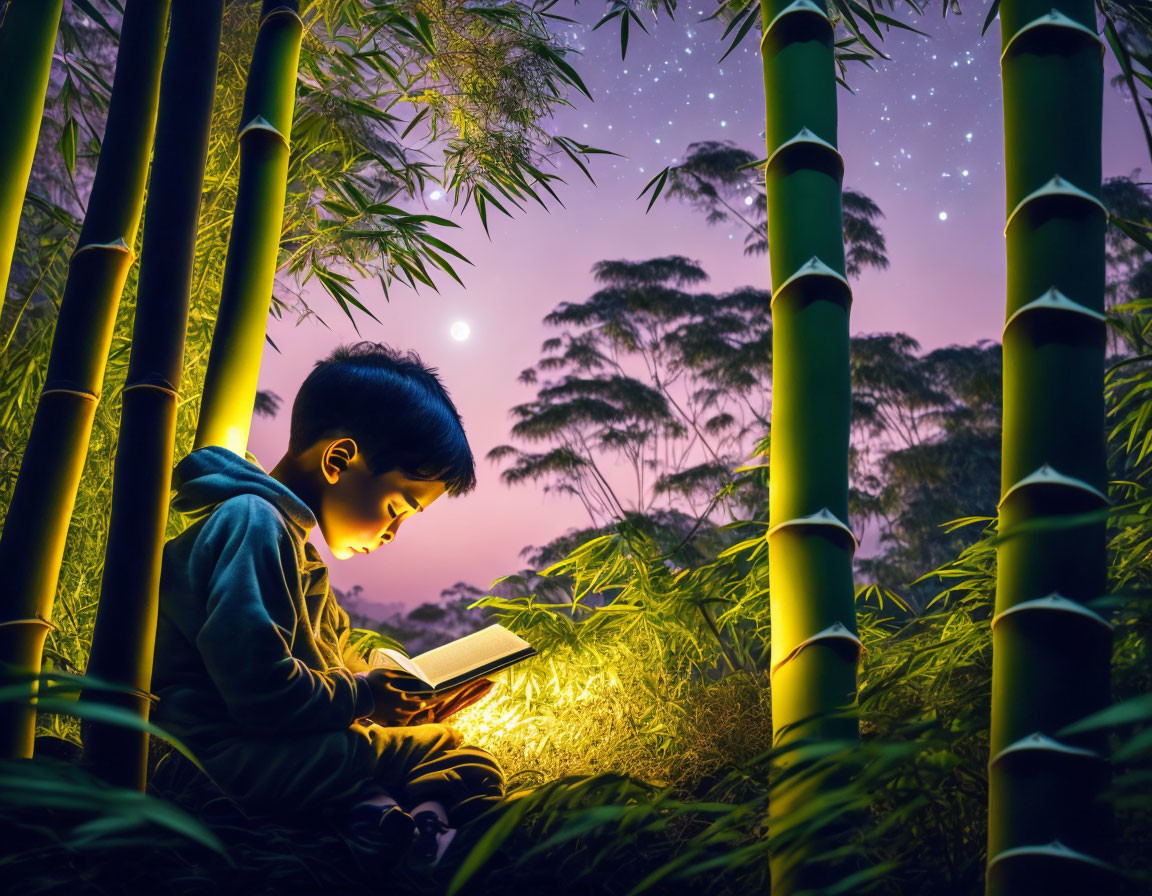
[(397, 707)]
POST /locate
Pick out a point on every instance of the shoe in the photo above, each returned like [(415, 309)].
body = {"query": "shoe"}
[(373, 828), (432, 838)]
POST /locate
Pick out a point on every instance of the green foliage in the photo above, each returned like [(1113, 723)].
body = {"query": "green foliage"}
[(859, 25), (382, 90), (1128, 32), (664, 670), (56, 799)]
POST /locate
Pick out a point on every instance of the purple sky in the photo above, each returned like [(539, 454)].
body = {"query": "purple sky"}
[(922, 136)]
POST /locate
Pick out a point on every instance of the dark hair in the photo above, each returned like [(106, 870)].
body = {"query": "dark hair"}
[(395, 408)]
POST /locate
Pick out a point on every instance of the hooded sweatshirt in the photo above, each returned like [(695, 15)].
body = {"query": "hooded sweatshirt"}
[(250, 639)]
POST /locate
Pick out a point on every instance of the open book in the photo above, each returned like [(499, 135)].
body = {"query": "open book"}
[(463, 660)]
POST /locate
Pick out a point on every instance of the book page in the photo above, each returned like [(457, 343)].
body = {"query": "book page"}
[(383, 658), (472, 652)]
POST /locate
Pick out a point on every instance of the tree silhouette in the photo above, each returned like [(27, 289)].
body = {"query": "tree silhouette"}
[(645, 374), (926, 433), (673, 386)]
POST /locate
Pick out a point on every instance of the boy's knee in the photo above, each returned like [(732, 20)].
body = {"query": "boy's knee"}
[(437, 738)]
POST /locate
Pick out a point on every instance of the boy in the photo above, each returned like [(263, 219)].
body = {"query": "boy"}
[(252, 666)]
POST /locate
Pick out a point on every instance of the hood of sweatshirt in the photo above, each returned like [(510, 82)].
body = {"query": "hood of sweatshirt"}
[(210, 476)]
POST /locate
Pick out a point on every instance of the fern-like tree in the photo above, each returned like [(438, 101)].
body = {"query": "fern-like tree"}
[(649, 397), (653, 393), (926, 451)]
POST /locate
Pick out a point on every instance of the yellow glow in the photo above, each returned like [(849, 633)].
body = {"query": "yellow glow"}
[(236, 439)]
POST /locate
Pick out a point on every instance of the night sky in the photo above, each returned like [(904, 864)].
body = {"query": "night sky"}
[(921, 136)]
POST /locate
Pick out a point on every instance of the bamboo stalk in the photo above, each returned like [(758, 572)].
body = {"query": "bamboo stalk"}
[(250, 266), (125, 632), (815, 648), (32, 543), (1047, 829), (27, 38)]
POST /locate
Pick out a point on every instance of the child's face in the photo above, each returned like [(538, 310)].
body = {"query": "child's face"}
[(360, 511)]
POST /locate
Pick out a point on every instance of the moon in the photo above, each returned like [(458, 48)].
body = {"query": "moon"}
[(460, 331)]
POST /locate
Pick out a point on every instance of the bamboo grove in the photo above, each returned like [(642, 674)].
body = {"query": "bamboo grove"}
[(1048, 830), (32, 542), (39, 511)]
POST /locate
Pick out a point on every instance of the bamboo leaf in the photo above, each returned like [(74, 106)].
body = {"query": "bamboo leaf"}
[(112, 715), (67, 145), (744, 29), (658, 182), (569, 73), (896, 23), (419, 117), (993, 11), (490, 842), (1129, 712), (86, 7)]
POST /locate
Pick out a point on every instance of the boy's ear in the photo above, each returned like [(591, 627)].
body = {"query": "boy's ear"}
[(337, 456)]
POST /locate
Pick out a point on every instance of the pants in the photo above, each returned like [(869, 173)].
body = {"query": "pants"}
[(326, 770)]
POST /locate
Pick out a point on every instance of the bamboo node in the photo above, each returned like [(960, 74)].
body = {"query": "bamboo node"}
[(285, 10), (1056, 187), (805, 136), (837, 631), (814, 267), (117, 245), (1055, 849), (822, 517), (1054, 300), (38, 621), (1057, 603), (167, 390), (1048, 475), (1043, 743), (805, 7), (63, 390), (1052, 19), (260, 123)]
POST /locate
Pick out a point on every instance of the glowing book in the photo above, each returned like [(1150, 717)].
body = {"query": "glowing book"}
[(466, 659)]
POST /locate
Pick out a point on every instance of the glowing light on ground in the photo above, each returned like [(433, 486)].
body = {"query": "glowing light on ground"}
[(460, 331)]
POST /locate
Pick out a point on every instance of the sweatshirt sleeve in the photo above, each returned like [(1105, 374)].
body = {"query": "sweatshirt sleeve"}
[(336, 630), (244, 566)]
